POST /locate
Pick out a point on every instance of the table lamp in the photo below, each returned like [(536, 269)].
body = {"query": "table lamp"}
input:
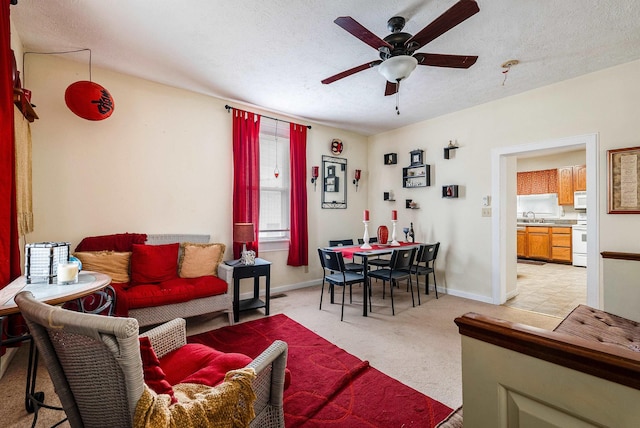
[(243, 232)]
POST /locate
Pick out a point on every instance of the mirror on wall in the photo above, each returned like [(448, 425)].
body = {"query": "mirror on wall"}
[(334, 182)]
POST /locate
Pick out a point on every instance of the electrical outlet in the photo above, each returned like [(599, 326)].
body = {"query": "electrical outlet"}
[(486, 212)]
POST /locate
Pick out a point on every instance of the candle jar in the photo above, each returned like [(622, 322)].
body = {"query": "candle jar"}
[(67, 273)]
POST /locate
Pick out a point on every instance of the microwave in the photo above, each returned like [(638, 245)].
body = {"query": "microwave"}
[(580, 200)]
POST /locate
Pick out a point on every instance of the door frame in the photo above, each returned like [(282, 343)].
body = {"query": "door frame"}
[(503, 225)]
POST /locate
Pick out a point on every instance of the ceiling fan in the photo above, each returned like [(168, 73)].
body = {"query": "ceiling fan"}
[(397, 50)]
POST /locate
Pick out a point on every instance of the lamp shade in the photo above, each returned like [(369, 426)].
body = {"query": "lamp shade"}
[(398, 67), (243, 232)]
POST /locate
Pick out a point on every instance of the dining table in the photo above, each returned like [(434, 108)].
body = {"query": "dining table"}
[(376, 250)]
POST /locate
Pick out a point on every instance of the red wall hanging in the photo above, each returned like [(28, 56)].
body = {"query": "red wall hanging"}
[(89, 100)]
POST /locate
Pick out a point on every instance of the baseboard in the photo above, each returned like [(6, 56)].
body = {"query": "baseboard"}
[(284, 288), (5, 360), (466, 295), (289, 287)]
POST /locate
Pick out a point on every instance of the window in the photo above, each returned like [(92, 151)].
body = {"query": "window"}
[(274, 192)]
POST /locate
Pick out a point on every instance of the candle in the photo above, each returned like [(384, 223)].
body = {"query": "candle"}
[(366, 215), (315, 171), (67, 272), (394, 215)]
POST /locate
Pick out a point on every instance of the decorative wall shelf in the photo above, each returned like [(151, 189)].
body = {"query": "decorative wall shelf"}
[(388, 197), (451, 146), (410, 204), (450, 191), (25, 106), (391, 159), (416, 176)]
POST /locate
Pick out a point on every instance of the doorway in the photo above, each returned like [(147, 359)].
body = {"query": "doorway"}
[(504, 215)]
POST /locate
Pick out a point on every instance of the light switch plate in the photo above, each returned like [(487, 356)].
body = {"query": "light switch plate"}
[(486, 212)]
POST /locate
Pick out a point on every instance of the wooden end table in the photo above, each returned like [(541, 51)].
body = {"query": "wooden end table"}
[(260, 268)]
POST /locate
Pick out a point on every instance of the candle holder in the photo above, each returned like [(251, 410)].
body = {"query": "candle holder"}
[(365, 238), (394, 242), (314, 176)]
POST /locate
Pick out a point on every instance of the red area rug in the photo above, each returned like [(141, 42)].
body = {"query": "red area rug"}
[(329, 387)]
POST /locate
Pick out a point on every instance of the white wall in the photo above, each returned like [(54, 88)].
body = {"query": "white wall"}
[(605, 103), (162, 163)]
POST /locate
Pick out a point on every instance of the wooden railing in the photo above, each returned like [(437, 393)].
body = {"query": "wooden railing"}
[(606, 362), (620, 256)]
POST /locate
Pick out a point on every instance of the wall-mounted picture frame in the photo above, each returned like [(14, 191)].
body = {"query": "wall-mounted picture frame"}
[(416, 157), (623, 187)]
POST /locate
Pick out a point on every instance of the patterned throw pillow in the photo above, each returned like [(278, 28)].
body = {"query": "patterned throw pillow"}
[(112, 263), (200, 259)]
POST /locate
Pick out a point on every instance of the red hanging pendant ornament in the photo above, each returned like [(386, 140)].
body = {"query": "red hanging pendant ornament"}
[(89, 100)]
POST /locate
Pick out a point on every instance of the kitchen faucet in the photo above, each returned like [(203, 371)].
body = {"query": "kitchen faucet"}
[(532, 213)]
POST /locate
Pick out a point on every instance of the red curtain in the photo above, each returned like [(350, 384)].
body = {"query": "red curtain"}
[(9, 247), (299, 244), (246, 174)]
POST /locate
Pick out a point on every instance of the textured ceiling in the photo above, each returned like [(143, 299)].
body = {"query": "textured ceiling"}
[(273, 54)]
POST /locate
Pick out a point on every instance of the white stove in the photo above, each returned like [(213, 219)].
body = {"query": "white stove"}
[(579, 241)]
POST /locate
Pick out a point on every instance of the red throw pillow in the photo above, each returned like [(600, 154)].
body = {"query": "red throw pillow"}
[(154, 263), (154, 377)]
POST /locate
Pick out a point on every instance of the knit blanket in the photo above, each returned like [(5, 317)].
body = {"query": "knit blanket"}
[(227, 405)]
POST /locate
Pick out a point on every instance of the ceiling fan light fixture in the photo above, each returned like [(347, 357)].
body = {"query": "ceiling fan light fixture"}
[(398, 67)]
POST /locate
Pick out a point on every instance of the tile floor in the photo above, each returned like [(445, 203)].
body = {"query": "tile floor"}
[(552, 289)]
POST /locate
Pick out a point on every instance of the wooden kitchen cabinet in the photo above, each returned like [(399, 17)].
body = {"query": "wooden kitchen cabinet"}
[(538, 243), (579, 178), (522, 243), (565, 185), (561, 244)]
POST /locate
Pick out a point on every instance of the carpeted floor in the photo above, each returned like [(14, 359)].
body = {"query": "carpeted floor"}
[(419, 347), (329, 387)]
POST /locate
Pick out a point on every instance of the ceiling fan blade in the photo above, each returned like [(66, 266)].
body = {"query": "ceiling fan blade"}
[(440, 60), (458, 13), (350, 72), (355, 28), (391, 88)]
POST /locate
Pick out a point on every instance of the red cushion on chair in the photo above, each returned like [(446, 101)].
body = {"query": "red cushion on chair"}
[(197, 363), (154, 263), (154, 376)]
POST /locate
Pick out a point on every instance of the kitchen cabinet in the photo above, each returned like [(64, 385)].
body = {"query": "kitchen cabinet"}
[(565, 185), (537, 182), (561, 244), (538, 243), (579, 178), (522, 243)]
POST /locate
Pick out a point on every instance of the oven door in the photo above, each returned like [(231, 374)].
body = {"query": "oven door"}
[(579, 243)]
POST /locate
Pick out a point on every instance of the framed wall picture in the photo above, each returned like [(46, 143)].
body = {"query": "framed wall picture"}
[(623, 188), (416, 157)]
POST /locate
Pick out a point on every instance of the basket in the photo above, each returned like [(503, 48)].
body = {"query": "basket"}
[(41, 260)]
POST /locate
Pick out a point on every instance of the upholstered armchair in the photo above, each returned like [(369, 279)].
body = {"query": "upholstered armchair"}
[(95, 364)]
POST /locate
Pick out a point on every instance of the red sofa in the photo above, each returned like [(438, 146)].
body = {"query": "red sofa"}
[(161, 277)]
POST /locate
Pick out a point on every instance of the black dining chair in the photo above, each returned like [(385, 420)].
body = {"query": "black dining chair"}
[(398, 270), (378, 261), (351, 266), (426, 264), (333, 262)]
